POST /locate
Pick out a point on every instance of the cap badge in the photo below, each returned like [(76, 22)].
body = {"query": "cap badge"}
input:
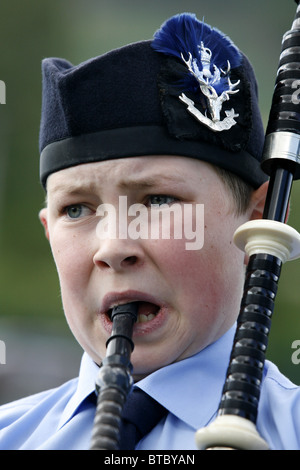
[(208, 82), (207, 59)]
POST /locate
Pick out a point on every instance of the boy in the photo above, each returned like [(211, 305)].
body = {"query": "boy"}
[(167, 125)]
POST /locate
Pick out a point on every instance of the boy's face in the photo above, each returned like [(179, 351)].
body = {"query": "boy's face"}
[(193, 296)]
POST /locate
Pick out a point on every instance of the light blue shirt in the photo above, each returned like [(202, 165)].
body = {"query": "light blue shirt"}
[(62, 418)]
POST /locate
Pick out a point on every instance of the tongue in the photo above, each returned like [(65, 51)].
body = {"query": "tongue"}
[(146, 308)]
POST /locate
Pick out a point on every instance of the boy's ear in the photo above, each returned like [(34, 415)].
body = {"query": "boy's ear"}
[(258, 200), (43, 216), (257, 206)]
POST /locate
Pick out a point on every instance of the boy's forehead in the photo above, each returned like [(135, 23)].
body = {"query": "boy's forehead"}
[(143, 171)]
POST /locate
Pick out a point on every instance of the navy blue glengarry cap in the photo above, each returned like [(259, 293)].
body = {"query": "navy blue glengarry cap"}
[(187, 92)]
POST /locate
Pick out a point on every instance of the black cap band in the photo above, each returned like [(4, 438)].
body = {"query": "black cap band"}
[(139, 141)]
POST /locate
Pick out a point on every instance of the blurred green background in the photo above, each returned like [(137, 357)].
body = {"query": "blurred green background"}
[(40, 350)]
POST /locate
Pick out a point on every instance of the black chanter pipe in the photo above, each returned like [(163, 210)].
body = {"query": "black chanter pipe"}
[(114, 381), (269, 243)]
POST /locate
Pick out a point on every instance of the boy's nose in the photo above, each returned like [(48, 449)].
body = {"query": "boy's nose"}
[(118, 254)]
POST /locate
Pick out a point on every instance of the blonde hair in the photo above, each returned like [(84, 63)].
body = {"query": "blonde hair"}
[(239, 189)]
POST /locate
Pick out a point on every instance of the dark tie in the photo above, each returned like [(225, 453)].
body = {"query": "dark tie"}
[(140, 414)]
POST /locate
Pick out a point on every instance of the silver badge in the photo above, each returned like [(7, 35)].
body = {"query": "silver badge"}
[(207, 83)]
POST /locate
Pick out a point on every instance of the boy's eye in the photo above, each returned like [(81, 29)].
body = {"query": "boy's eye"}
[(77, 210), (160, 199)]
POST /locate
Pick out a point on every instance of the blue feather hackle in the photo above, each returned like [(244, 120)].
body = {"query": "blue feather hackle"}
[(183, 34)]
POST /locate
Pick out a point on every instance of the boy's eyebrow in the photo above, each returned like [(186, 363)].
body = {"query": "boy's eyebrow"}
[(146, 182), (74, 188), (151, 181)]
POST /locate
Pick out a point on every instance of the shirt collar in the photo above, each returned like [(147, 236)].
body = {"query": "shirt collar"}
[(197, 380), (85, 386)]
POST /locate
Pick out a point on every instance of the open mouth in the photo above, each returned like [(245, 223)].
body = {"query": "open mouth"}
[(147, 311)]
